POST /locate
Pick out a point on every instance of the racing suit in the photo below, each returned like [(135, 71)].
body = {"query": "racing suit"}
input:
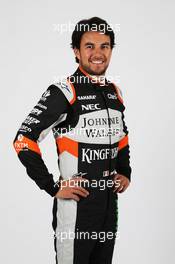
[(91, 137)]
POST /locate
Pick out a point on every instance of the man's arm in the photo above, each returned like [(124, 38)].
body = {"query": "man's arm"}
[(123, 159), (41, 119), (123, 168)]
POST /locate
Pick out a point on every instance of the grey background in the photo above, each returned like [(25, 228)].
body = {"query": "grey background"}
[(32, 55)]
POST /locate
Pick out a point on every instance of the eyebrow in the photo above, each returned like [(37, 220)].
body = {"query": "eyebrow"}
[(90, 43), (105, 43)]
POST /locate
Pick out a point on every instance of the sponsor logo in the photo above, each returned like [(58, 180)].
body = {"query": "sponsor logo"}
[(36, 111), (102, 132), (20, 137), (112, 96), (21, 145), (24, 128), (45, 95), (42, 106), (63, 85), (100, 121), (31, 120), (86, 97), (91, 107), (106, 173), (89, 155), (79, 174)]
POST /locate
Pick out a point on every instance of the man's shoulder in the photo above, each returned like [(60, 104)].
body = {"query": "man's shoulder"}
[(67, 88), (119, 92)]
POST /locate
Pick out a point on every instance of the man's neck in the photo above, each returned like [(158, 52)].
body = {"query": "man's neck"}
[(96, 78)]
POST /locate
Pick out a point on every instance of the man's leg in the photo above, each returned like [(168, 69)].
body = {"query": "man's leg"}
[(103, 251), (83, 250)]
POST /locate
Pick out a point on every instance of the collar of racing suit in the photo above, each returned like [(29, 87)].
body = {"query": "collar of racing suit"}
[(100, 81)]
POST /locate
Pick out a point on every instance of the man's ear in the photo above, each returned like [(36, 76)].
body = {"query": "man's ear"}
[(77, 53)]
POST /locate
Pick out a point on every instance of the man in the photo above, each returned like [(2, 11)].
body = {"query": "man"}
[(86, 116)]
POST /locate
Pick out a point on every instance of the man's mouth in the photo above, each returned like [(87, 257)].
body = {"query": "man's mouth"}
[(97, 62)]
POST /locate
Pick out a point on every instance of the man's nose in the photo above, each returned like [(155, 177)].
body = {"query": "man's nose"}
[(97, 52)]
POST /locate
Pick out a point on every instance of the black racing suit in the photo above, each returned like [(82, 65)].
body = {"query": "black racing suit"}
[(88, 125)]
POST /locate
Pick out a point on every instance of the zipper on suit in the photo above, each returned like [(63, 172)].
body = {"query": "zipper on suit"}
[(109, 124)]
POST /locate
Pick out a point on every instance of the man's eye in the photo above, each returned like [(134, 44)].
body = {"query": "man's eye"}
[(105, 46), (89, 46)]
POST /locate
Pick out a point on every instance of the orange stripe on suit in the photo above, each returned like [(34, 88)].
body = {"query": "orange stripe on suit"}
[(24, 142), (123, 143), (69, 145)]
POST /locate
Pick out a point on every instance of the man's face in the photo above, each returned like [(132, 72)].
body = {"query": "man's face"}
[(94, 53)]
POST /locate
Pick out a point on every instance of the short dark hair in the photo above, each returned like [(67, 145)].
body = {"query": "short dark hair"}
[(91, 24)]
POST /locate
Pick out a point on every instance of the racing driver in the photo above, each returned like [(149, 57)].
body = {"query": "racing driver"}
[(85, 114)]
